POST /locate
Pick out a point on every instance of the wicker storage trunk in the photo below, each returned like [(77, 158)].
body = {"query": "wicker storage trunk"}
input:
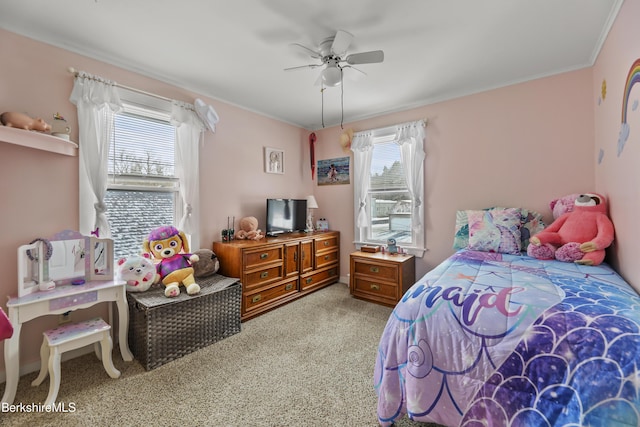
[(163, 329)]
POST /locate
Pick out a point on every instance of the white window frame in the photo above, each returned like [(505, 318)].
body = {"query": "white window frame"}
[(111, 185), (362, 156), (152, 108)]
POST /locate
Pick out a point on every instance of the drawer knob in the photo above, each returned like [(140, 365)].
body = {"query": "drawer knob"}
[(288, 286), (264, 274), (375, 287), (326, 257), (374, 269), (326, 243), (256, 298), (264, 256), (309, 280)]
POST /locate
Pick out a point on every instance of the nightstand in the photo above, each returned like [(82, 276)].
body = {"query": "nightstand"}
[(380, 277)]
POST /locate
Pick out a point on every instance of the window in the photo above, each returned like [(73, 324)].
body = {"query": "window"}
[(388, 192), (142, 187), (388, 199), (142, 150)]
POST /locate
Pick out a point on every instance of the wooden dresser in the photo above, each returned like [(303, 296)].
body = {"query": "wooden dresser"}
[(380, 277), (276, 270)]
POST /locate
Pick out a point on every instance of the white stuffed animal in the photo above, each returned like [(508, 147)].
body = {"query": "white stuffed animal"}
[(138, 271)]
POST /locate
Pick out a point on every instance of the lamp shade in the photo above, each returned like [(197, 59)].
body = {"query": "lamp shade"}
[(332, 76), (311, 202)]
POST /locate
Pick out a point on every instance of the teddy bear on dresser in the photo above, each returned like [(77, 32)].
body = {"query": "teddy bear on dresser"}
[(166, 244), (580, 236), (249, 229)]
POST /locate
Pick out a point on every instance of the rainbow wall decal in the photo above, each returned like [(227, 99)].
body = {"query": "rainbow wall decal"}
[(633, 77)]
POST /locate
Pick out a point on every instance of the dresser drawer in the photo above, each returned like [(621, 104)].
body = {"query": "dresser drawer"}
[(326, 243), (378, 271), (327, 258), (253, 301), (263, 277), (375, 288), (325, 276), (255, 258)]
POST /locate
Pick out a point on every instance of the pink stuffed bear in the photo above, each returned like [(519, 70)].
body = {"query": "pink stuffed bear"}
[(580, 236), (563, 205)]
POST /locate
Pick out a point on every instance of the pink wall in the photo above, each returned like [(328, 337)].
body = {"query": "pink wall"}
[(618, 177), (39, 189), (521, 145)]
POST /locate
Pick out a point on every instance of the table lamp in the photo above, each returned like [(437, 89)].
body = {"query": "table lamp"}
[(311, 204)]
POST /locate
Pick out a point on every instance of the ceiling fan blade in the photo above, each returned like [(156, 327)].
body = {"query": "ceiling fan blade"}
[(303, 66), (365, 57), (302, 48), (354, 68), (351, 76), (341, 42)]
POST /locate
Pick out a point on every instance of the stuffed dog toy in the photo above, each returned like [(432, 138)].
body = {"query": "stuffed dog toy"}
[(171, 247)]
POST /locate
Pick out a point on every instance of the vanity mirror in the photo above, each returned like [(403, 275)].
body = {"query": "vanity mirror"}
[(68, 257)]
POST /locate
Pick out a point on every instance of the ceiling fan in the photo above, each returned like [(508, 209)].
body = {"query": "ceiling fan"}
[(332, 56)]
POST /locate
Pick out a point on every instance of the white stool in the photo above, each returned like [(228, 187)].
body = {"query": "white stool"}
[(70, 337)]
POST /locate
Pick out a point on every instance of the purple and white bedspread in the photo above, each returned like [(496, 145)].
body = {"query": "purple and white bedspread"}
[(488, 339)]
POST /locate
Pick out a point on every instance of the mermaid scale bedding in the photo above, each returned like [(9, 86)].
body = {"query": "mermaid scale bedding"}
[(519, 342)]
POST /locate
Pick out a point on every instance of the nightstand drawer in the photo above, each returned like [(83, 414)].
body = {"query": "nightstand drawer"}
[(258, 257), (381, 278), (379, 289), (378, 270)]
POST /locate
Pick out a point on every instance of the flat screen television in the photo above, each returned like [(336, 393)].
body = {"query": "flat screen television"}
[(286, 216)]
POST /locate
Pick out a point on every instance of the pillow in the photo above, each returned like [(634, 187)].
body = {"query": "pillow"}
[(495, 230), (461, 236), (530, 223)]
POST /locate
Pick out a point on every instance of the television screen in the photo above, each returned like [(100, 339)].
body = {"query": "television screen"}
[(286, 215)]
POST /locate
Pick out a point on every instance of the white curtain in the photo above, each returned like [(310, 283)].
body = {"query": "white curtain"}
[(97, 101), (362, 147), (189, 129), (410, 137)]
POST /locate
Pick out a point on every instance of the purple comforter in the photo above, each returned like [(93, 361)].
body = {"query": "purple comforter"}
[(507, 340)]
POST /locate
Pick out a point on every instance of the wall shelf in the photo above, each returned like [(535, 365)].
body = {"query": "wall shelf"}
[(37, 140)]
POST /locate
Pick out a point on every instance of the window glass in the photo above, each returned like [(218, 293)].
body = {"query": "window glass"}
[(389, 199), (142, 187)]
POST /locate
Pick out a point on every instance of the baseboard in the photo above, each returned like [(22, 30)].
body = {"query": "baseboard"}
[(35, 366)]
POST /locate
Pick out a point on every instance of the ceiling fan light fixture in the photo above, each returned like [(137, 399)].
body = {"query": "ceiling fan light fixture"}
[(332, 76)]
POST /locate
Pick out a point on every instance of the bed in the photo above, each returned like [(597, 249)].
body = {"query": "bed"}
[(497, 339)]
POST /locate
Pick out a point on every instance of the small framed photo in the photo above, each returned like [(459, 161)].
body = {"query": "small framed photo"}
[(273, 160)]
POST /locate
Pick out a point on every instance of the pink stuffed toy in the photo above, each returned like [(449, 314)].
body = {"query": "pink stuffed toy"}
[(580, 236), (563, 205)]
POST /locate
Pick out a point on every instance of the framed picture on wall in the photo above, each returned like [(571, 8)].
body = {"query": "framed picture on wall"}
[(333, 171), (273, 160)]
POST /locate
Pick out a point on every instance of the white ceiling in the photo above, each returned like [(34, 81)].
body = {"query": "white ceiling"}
[(235, 51)]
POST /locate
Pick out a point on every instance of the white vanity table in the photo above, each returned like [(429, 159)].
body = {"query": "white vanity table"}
[(99, 287)]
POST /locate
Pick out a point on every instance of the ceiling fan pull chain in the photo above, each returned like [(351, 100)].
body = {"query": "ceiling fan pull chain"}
[(322, 104), (341, 100)]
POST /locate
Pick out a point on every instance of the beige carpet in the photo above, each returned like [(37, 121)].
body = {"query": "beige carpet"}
[(309, 363)]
